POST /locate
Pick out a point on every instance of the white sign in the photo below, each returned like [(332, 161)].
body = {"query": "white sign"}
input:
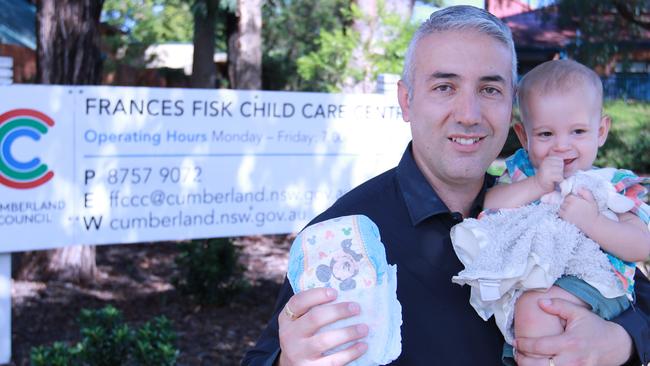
[(6, 72), (98, 165)]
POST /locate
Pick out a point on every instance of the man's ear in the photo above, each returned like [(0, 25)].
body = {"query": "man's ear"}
[(520, 131), (603, 129), (403, 99)]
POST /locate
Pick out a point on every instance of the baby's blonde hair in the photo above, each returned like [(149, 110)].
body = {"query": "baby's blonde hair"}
[(558, 76)]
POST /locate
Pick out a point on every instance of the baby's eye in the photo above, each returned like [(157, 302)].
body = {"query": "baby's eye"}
[(579, 131), (545, 134)]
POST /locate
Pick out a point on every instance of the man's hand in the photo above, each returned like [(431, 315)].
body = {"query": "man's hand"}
[(550, 172), (587, 339), (581, 210), (299, 342)]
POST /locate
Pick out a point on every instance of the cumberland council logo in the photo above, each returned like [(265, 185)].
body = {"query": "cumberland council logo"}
[(15, 124)]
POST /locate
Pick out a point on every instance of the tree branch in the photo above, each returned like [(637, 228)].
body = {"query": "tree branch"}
[(627, 14)]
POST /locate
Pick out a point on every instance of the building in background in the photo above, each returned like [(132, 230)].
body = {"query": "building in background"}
[(18, 37)]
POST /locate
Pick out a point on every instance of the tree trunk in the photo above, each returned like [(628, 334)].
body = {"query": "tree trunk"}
[(67, 53), (245, 45), (366, 27), (204, 71), (249, 62), (68, 42), (74, 263), (232, 32)]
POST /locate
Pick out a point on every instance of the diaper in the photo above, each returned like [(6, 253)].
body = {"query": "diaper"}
[(346, 254)]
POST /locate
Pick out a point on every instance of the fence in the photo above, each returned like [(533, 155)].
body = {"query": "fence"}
[(627, 86)]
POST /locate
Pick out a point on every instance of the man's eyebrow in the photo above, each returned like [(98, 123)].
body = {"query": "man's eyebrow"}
[(450, 75), (443, 75), (494, 78)]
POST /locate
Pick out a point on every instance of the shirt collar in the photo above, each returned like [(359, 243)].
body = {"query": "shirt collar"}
[(421, 199)]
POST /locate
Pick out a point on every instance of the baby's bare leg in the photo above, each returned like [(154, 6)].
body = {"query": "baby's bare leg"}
[(532, 321)]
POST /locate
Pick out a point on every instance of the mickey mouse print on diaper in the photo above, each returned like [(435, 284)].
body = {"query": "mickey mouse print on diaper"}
[(346, 254), (343, 267)]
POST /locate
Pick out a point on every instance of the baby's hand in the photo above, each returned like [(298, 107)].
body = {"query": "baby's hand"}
[(581, 210), (550, 172)]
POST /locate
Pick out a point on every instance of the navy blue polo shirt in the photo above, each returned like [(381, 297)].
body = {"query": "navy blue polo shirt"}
[(439, 325)]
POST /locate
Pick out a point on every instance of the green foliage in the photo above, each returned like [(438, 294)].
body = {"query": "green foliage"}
[(397, 35), (150, 20), (291, 30), (107, 341), (142, 23), (154, 344), (210, 270), (327, 68), (58, 354), (629, 138), (606, 27), (105, 337)]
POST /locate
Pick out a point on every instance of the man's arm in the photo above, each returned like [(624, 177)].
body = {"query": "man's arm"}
[(590, 339)]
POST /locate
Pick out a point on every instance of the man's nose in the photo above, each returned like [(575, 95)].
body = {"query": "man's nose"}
[(468, 109)]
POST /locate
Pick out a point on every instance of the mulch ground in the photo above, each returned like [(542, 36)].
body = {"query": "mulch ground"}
[(136, 279)]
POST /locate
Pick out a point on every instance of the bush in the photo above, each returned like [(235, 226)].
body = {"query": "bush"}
[(59, 354), (629, 137), (154, 344), (210, 270), (105, 337), (106, 340)]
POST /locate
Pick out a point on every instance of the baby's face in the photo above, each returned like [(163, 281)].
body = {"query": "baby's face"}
[(567, 125)]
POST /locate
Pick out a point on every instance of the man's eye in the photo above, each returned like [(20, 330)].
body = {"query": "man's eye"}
[(443, 88), (491, 91)]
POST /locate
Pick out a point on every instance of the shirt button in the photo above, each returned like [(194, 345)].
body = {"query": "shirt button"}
[(457, 216)]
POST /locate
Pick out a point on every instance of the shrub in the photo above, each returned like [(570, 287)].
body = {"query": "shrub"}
[(629, 137), (209, 270), (59, 354), (107, 340), (154, 344)]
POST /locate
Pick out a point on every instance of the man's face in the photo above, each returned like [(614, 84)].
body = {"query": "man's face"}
[(461, 105)]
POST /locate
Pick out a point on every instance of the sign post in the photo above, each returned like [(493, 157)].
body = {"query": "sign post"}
[(6, 78), (5, 308)]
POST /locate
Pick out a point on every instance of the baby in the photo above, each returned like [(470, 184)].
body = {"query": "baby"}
[(563, 127)]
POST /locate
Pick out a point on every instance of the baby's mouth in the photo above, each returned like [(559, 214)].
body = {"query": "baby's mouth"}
[(569, 161)]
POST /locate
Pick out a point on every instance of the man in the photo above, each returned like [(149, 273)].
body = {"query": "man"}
[(456, 93)]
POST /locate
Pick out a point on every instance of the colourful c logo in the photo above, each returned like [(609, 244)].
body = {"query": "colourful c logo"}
[(15, 124)]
